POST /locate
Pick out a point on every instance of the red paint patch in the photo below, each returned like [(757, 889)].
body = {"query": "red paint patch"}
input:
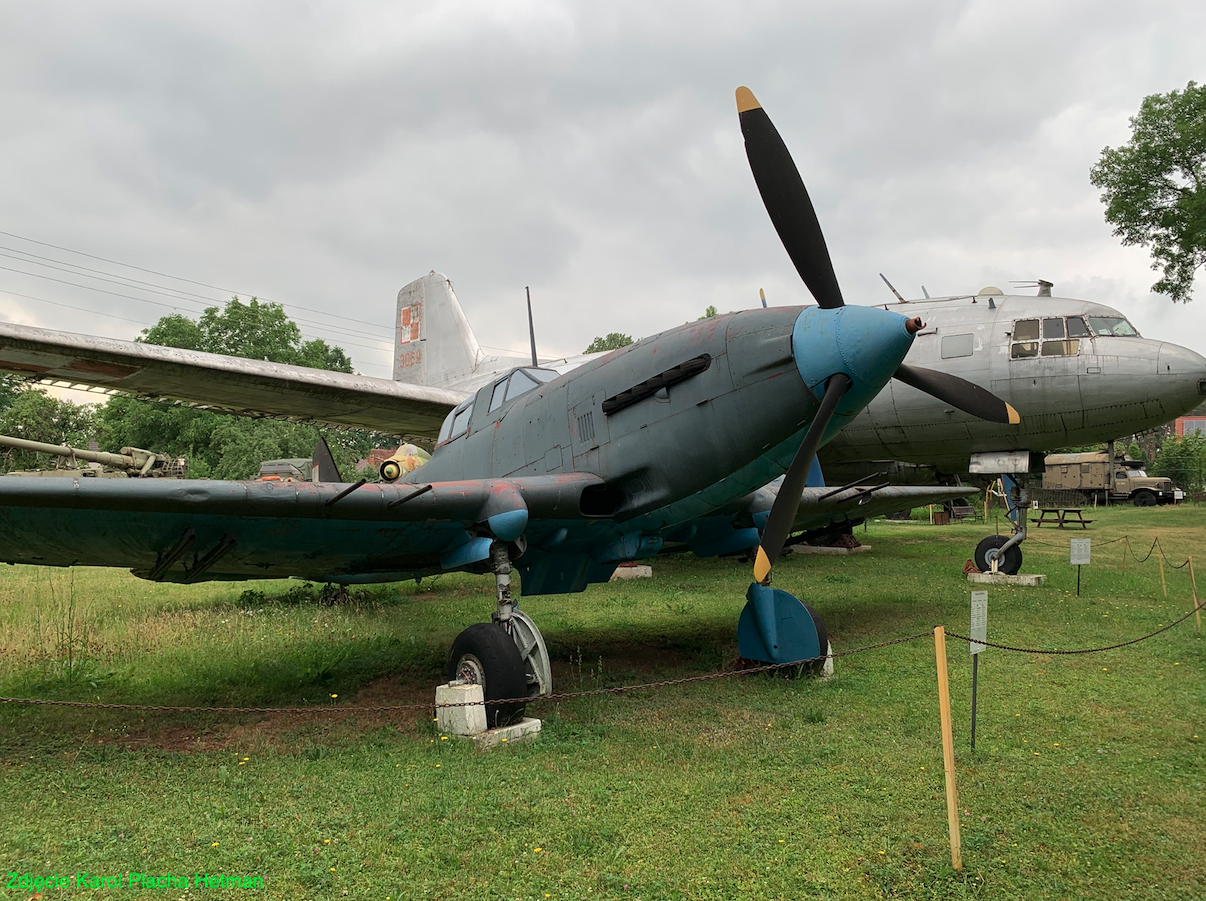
[(23, 367)]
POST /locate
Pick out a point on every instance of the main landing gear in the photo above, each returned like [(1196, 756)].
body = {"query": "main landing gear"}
[(506, 656)]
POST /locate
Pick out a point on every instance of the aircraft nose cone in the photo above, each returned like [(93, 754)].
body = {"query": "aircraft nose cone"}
[(865, 343), (1182, 376)]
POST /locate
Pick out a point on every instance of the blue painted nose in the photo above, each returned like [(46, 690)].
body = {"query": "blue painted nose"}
[(865, 343)]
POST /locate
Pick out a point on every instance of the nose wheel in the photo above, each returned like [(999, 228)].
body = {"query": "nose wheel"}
[(1009, 561)]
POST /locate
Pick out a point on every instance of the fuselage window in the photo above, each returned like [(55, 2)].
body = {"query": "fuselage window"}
[(1077, 327), (446, 428), (1026, 330), (1025, 338), (524, 380), (460, 422), (1060, 348), (1053, 328), (957, 346), (519, 383), (496, 397), (1112, 325)]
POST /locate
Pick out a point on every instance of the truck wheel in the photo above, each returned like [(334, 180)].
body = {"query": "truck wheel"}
[(1145, 498)]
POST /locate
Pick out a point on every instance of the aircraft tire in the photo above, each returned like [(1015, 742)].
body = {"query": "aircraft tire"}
[(1144, 498), (1010, 563), (485, 654)]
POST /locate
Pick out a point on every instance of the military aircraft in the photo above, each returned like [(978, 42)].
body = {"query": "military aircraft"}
[(1077, 371), (669, 440)]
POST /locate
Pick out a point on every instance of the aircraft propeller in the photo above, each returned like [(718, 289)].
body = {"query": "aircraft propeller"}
[(792, 213)]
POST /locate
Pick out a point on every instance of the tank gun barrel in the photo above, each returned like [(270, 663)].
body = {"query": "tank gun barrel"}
[(62, 450)]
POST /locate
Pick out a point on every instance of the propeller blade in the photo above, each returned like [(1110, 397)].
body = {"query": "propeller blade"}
[(786, 200), (783, 512), (959, 393)]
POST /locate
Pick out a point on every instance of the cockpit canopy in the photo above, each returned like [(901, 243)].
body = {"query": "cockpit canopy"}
[(1060, 334), (515, 384)]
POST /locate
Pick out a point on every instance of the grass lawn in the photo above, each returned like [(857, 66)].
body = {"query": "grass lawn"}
[(1087, 780)]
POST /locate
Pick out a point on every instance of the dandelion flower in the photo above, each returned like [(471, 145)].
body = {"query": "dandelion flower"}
[(882, 852), (214, 845), (437, 766), (334, 696), (326, 841), (537, 850), (443, 738)]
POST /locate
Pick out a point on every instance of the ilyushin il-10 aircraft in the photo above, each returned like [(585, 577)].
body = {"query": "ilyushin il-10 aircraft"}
[(563, 468), (669, 441)]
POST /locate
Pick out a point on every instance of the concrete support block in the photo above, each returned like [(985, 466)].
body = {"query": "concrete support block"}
[(467, 720), (639, 571), (1027, 581), (527, 728), (829, 551)]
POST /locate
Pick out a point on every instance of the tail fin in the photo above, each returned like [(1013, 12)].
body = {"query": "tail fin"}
[(434, 343)]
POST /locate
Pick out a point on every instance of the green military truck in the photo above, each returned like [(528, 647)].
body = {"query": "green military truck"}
[(1094, 477)]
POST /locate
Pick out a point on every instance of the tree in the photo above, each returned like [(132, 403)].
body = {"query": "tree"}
[(217, 445), (36, 416), (1154, 187), (1184, 461), (709, 313), (614, 341)]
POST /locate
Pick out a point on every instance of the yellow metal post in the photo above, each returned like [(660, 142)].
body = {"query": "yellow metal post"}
[(1126, 546), (1163, 584), (948, 748)]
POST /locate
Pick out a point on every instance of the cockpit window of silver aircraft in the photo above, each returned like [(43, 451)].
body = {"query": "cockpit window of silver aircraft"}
[(1112, 325), (1060, 336)]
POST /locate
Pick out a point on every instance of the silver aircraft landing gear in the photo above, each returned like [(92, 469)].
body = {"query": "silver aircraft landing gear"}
[(1003, 553), (506, 656)]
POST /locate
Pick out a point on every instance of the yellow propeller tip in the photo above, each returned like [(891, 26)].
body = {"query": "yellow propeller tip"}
[(1014, 418), (762, 566), (746, 100), (762, 294)]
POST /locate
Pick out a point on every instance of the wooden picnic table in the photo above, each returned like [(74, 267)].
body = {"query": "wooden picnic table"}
[(1061, 516)]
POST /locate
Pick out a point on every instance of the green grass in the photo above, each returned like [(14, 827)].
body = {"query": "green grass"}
[(1087, 781)]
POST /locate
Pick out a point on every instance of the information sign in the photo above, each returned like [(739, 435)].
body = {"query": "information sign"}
[(1080, 551), (979, 621)]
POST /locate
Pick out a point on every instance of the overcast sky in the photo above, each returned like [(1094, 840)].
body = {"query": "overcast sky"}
[(325, 154)]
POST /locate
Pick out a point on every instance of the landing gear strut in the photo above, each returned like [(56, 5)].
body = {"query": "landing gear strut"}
[(1001, 554), (506, 656)]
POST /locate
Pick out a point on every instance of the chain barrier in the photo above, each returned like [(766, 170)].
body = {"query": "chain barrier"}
[(558, 696), (1111, 647), (573, 695), (1098, 545)]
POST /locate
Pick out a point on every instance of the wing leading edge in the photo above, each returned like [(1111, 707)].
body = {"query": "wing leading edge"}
[(198, 530), (224, 384)]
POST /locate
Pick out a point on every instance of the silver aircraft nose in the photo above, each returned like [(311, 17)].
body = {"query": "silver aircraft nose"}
[(1181, 377)]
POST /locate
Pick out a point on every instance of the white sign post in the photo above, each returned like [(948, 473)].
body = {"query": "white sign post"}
[(1080, 557), (978, 634)]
